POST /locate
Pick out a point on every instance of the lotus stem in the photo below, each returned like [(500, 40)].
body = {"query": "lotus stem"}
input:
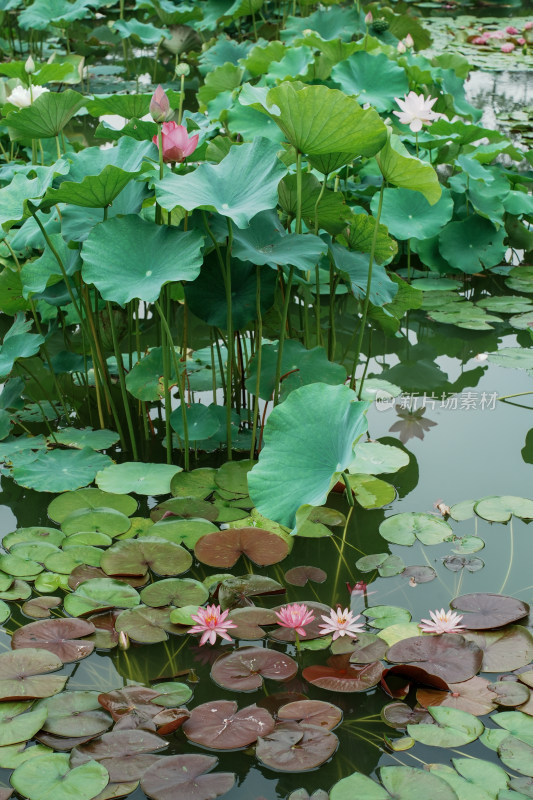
[(226, 274), (511, 556), (348, 492), (122, 381), (182, 99), (258, 354), (166, 390), (284, 314)]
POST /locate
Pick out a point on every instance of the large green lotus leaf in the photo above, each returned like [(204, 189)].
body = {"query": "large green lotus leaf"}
[(301, 366), (401, 783), (94, 191), (145, 380), (13, 207), (294, 63), (353, 267), (50, 778), (46, 117), (220, 81), (317, 120), (74, 714), (148, 34), (135, 556), (36, 274), (504, 650), (248, 122), (23, 674), (18, 343), (16, 726), (266, 242), (409, 526), (328, 208), (454, 728), (105, 520), (516, 357), (295, 468), (500, 509), (99, 594), (359, 236), (61, 470), (226, 187), (65, 504), (408, 214), (405, 171), (87, 437), (43, 13), (124, 105), (202, 421), (374, 458), (516, 723), (372, 78), (330, 23), (517, 755), (151, 258), (472, 244), (138, 477), (206, 296)]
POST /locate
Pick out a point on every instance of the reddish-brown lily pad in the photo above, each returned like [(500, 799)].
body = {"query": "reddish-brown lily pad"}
[(298, 576), (125, 754), (412, 674), (61, 743), (341, 676), (504, 650), (39, 607), (473, 696), (273, 702), (400, 715), (186, 777), (482, 612), (106, 635), (233, 592), (243, 670), (137, 556), (449, 656), (60, 636), (312, 712), (509, 693), (170, 719), (249, 620), (131, 705), (23, 674), (296, 747), (219, 725), (84, 573), (312, 630), (224, 548)]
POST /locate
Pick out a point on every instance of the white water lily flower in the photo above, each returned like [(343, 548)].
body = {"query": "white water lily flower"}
[(416, 111), (22, 98), (442, 622)]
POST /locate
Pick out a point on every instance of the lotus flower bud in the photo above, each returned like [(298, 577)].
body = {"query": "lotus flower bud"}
[(409, 41), (160, 106), (123, 641), (182, 69), (29, 66), (401, 48), (369, 18)]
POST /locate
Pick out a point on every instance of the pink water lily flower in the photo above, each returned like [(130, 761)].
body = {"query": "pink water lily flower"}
[(528, 26), (512, 31), (341, 623), (295, 616), (442, 622), (416, 111), (508, 47), (211, 623), (177, 144)]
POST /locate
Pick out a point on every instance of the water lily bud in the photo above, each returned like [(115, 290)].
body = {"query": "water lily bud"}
[(401, 48), (409, 41), (123, 641), (182, 69), (29, 66), (160, 106), (369, 18)]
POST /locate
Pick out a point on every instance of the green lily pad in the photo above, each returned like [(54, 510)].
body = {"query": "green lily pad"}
[(87, 437), (522, 321), (136, 556), (61, 470), (463, 510), (385, 563), (374, 458), (500, 509), (105, 520), (402, 783), (467, 545), (515, 357), (15, 726), (66, 503), (407, 527), (371, 492), (454, 728), (383, 616), (34, 534), (373, 78), (23, 674), (137, 477), (172, 693), (146, 625), (504, 304), (100, 594), (197, 483), (49, 777), (175, 592), (517, 755), (74, 714), (181, 531), (408, 214)]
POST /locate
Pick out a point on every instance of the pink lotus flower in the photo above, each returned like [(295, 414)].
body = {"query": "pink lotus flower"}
[(409, 41), (442, 622), (521, 41), (177, 144), (369, 18), (341, 623), (295, 616), (400, 47), (512, 31), (480, 39), (528, 26), (416, 111), (160, 106), (211, 622), (496, 35), (508, 47)]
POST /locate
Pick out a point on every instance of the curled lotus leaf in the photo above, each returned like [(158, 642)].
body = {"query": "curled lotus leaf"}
[(312, 631), (503, 650), (24, 674), (249, 621), (235, 591), (311, 712), (449, 656), (133, 701), (125, 754), (509, 693), (50, 777), (298, 576), (60, 636), (400, 715), (219, 725), (224, 548), (296, 747), (17, 726), (243, 669), (186, 777), (100, 594), (453, 728), (137, 556), (174, 592), (74, 714), (473, 696), (184, 508), (485, 611), (341, 676), (39, 607), (147, 625)]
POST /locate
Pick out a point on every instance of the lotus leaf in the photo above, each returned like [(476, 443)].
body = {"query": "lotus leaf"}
[(137, 477), (59, 636), (125, 754), (219, 725), (61, 470), (185, 777), (49, 777), (244, 669), (372, 78), (47, 115), (296, 747)]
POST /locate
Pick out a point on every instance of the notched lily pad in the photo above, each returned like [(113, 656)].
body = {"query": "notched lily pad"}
[(473, 696), (125, 754), (60, 636), (312, 712), (340, 675), (186, 777), (485, 611), (224, 548), (219, 725), (137, 556), (296, 747), (243, 670), (298, 576), (454, 728), (449, 656), (504, 650), (23, 674), (74, 714)]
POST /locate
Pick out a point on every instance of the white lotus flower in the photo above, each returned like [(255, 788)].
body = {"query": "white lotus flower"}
[(416, 111), (22, 98)]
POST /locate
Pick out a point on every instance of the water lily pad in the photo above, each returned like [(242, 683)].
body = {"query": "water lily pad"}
[(175, 592), (106, 520), (473, 696), (197, 483), (87, 437), (385, 563), (182, 531), (449, 656), (16, 726), (419, 574), (66, 503), (517, 755), (172, 693), (59, 636), (312, 712), (298, 576), (219, 725), (383, 616), (186, 777), (74, 714), (40, 607), (137, 477), (224, 548), (296, 747), (60, 470), (146, 625), (339, 675), (504, 650), (513, 357), (454, 728), (50, 778), (402, 783), (248, 621), (409, 526), (184, 507), (468, 544), (484, 611), (243, 669), (366, 649), (23, 674), (100, 594), (463, 510), (509, 693), (374, 458), (399, 715), (137, 556), (35, 534), (125, 754), (130, 702), (500, 509)]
